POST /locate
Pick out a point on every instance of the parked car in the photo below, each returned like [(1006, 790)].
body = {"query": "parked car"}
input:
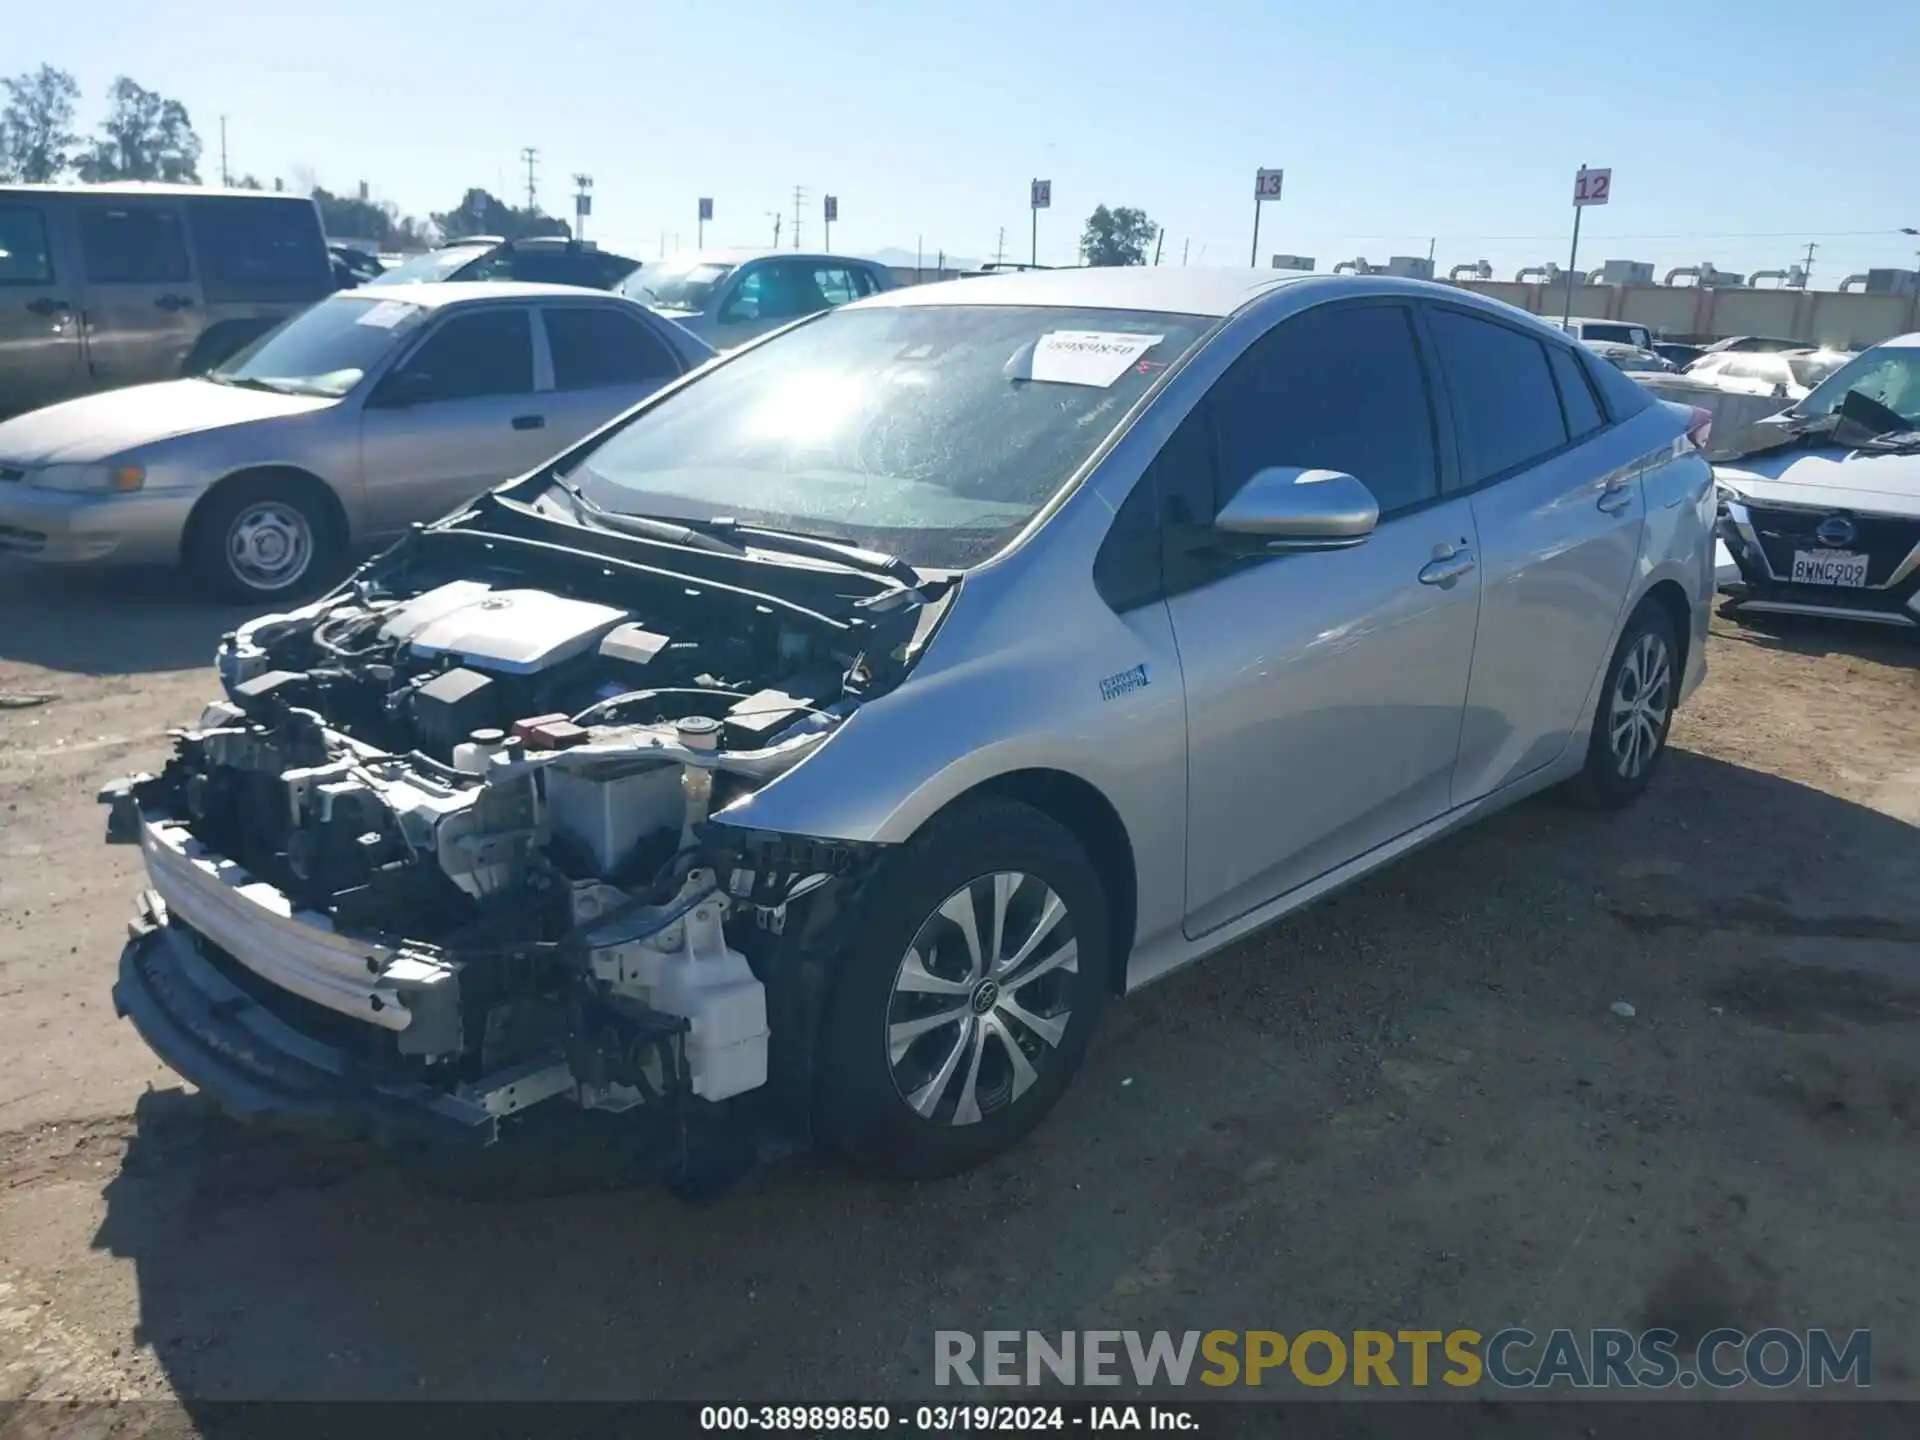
[(1782, 374), (1755, 344), (170, 279), (890, 693), (1608, 332), (1677, 355), (352, 266), (1821, 515), (1630, 358), (539, 260), (728, 297), (367, 412)]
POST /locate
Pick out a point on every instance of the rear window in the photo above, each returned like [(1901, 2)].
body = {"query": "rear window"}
[(1576, 394), (25, 257)]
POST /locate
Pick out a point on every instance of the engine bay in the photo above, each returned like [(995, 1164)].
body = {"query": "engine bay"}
[(496, 778)]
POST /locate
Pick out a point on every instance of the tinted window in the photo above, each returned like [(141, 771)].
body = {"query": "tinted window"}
[(548, 267), (1619, 396), (592, 346), (748, 296), (1576, 395), (865, 281), (835, 285), (132, 244), (489, 352), (1503, 396), (254, 246), (1338, 389), (24, 256)]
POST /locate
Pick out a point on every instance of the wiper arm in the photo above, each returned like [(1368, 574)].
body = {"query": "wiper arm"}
[(643, 526), (821, 548)]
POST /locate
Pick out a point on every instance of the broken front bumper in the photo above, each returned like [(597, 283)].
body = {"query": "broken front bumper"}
[(257, 1067)]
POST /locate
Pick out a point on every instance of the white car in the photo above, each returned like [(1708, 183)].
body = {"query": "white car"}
[(1780, 374), (728, 297)]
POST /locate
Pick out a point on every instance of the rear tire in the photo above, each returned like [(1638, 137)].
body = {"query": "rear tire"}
[(970, 993), (1634, 714), (264, 538)]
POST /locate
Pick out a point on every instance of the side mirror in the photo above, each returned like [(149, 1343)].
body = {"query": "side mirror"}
[(1286, 508)]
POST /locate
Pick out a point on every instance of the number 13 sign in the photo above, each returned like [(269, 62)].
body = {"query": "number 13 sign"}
[(1592, 187), (1267, 183)]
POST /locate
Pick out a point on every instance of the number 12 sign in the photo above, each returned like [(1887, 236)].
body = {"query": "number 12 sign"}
[(1592, 187)]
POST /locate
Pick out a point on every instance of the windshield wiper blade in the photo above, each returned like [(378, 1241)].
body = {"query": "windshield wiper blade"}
[(820, 547)]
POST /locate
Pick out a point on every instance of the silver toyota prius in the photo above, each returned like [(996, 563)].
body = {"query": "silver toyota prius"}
[(812, 752)]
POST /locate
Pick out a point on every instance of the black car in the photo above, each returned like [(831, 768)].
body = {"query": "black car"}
[(1677, 355), (545, 260)]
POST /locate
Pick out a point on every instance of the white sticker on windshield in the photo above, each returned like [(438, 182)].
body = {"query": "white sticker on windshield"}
[(387, 314), (1088, 357)]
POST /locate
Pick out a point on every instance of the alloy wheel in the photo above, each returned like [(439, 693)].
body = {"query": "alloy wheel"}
[(982, 998), (1642, 697)]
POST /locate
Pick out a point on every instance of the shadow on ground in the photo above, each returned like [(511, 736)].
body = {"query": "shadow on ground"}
[(1812, 635), (108, 622), (1372, 1112)]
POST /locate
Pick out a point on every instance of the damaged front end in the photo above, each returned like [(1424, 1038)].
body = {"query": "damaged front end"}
[(443, 852)]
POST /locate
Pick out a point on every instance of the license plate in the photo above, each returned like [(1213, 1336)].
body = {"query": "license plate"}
[(1829, 567)]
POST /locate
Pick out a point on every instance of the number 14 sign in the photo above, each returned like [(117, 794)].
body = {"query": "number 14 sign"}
[(1592, 187)]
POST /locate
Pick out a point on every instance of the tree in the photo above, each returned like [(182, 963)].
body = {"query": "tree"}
[(378, 221), (1117, 237), (482, 213), (37, 137), (144, 137)]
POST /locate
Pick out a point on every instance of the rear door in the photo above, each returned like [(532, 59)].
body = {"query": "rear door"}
[(605, 359), (143, 309), (1557, 506), (461, 413), (40, 356)]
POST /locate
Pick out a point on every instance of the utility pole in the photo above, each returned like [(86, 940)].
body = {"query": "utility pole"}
[(1000, 249), (1185, 246), (799, 199), (530, 154), (775, 214), (1159, 240), (1806, 266), (225, 179)]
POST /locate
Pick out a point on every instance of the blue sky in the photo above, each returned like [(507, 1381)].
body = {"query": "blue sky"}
[(1737, 132)]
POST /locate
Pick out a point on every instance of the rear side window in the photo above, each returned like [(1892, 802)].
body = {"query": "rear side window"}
[(25, 256), (1576, 395), (1337, 388), (593, 345), (259, 249), (132, 244), (1504, 400), (865, 281), (1620, 397), (835, 285)]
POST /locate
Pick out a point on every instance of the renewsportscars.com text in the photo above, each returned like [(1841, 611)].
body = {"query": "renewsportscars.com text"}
[(1511, 1359)]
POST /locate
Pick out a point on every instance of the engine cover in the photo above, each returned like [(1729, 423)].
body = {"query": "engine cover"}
[(517, 632)]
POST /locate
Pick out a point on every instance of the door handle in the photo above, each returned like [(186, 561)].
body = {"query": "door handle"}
[(1445, 569), (1615, 497), (529, 422), (174, 302), (47, 305)]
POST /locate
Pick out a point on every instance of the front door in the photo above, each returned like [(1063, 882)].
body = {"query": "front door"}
[(40, 356), (1558, 509), (1324, 690), (142, 301), (459, 414)]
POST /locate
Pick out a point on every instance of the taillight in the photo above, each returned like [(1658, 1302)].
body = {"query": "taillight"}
[(1699, 427)]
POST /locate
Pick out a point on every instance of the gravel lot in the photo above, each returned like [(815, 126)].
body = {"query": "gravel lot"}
[(1411, 1106)]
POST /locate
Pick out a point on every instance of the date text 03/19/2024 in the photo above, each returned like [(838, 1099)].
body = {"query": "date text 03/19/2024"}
[(944, 1419)]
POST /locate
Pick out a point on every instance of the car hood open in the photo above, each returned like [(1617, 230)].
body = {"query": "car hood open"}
[(90, 429), (1828, 476)]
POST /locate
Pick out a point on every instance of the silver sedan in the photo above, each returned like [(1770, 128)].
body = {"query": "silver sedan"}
[(348, 422)]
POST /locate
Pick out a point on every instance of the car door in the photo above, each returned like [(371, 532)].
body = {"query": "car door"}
[(1557, 506), (40, 356), (459, 413), (605, 359), (142, 302), (1324, 689)]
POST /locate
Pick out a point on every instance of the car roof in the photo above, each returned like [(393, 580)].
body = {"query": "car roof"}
[(1901, 342), (437, 294), (740, 254), (148, 189), (1172, 289)]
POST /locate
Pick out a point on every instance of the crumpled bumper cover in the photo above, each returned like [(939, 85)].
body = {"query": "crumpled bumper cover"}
[(257, 1067)]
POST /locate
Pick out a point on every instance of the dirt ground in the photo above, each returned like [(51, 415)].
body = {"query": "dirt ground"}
[(1411, 1106)]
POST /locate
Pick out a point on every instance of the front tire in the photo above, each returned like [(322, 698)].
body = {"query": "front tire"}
[(1635, 712), (970, 993), (263, 538)]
